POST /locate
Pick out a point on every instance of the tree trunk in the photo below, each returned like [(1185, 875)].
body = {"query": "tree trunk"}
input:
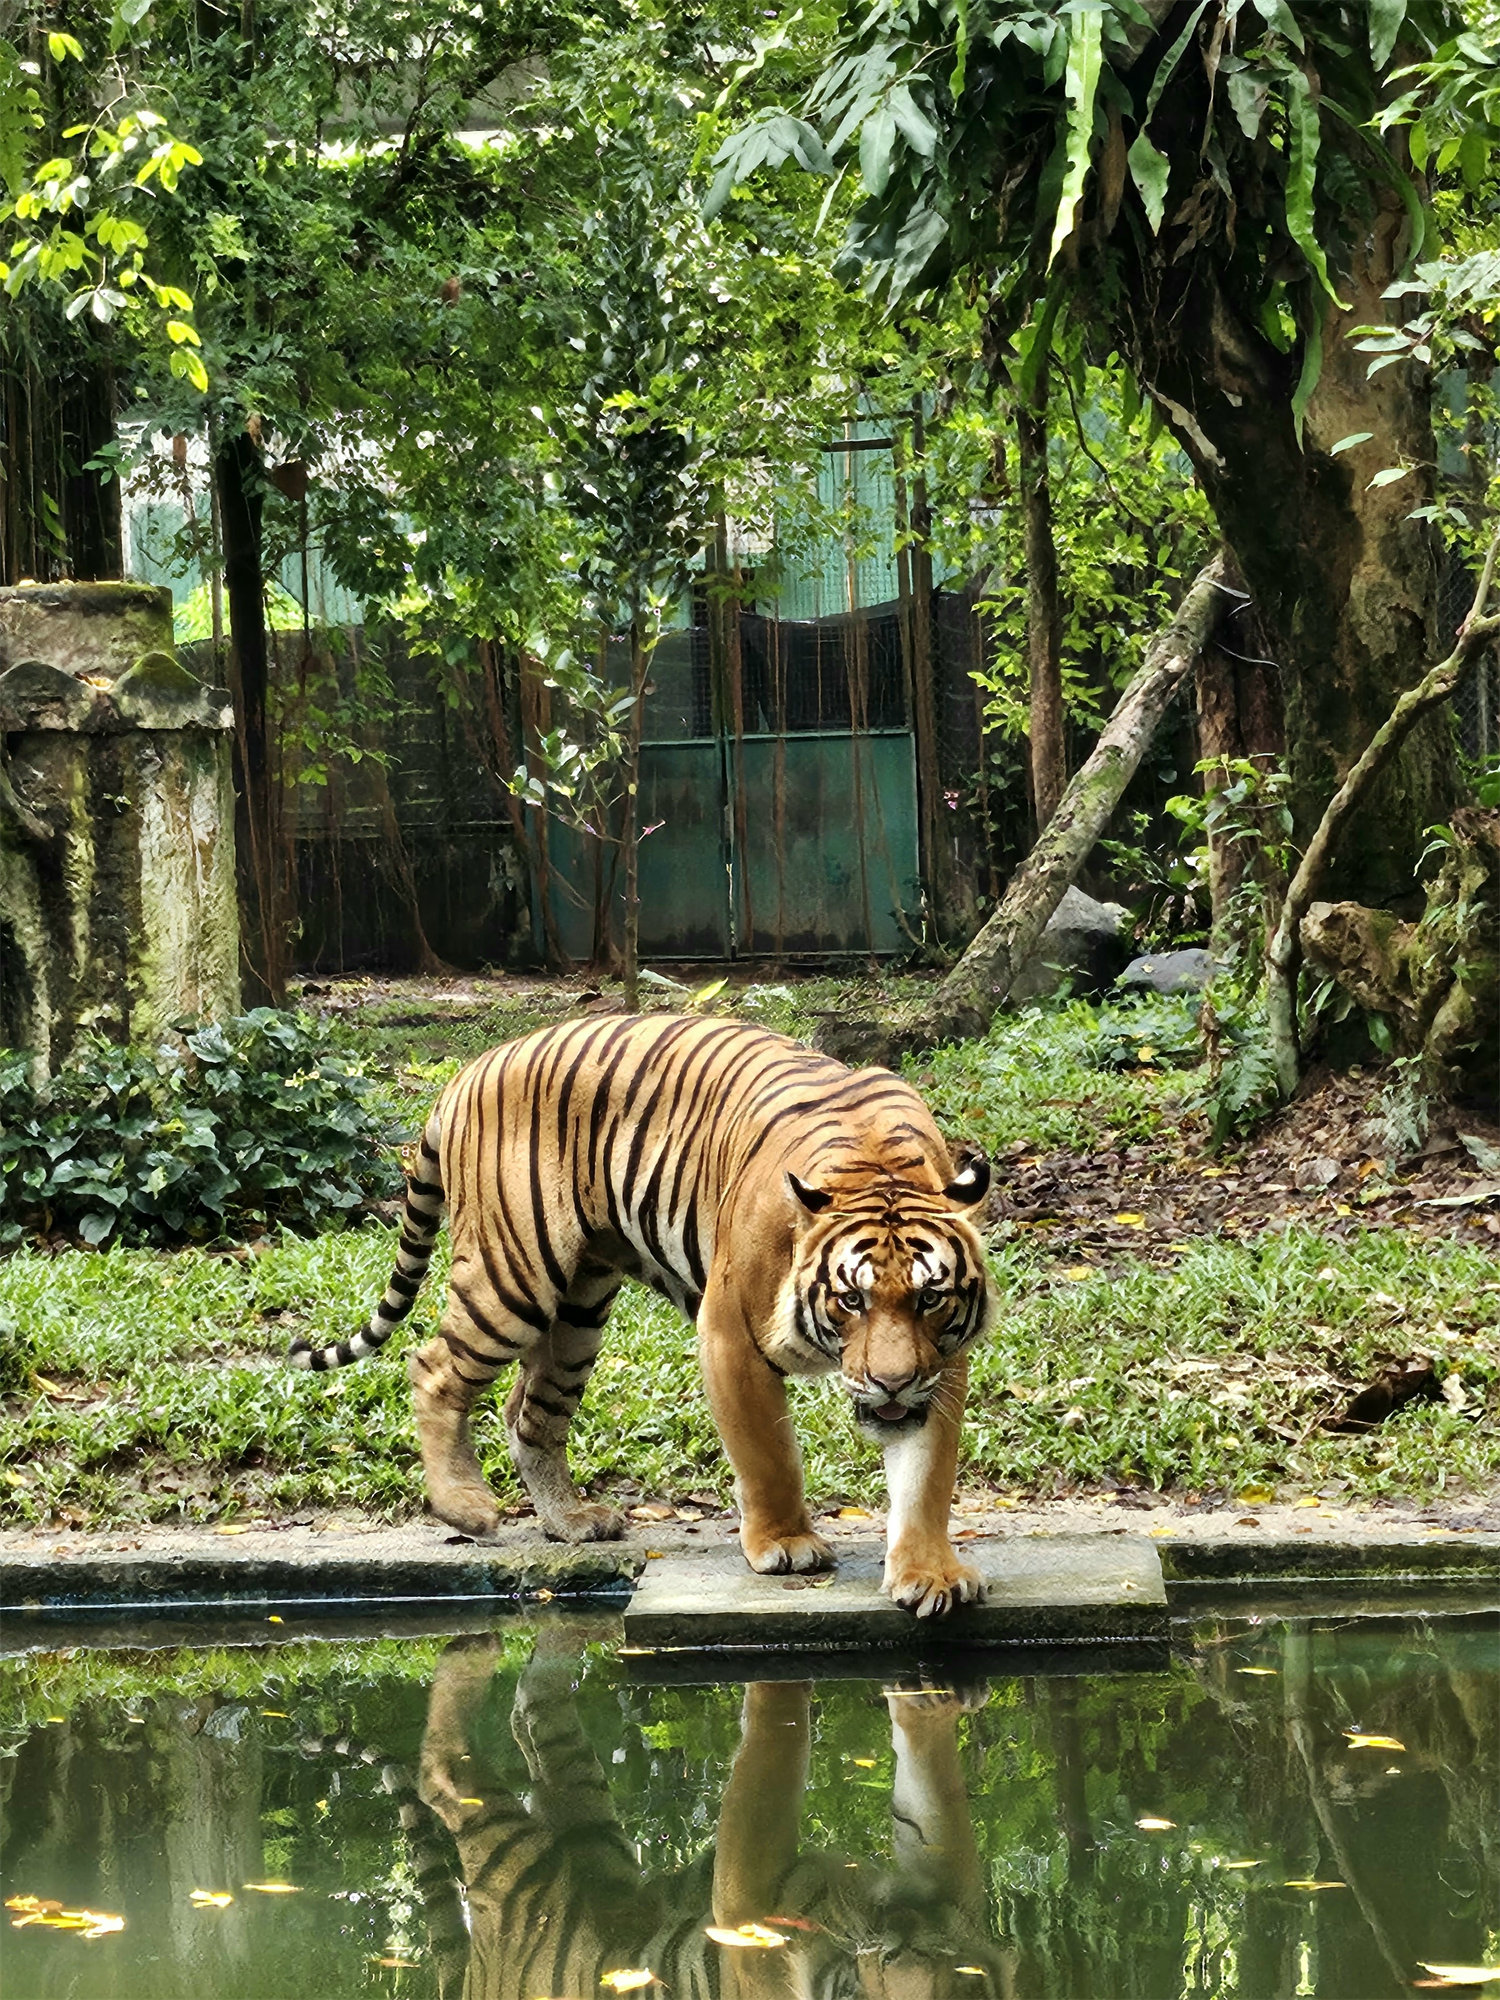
[(1043, 607), (630, 842), (1344, 582), (1345, 811), (240, 478), (967, 999)]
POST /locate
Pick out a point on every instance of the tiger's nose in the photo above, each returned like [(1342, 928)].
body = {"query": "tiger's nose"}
[(892, 1384)]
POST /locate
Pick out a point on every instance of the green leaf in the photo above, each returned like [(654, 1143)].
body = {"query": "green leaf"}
[(1301, 176), (960, 49), (1081, 82), (1389, 475), (1348, 443), (876, 143), (1170, 61), (1150, 170), (1276, 14), (920, 235), (1386, 17), (915, 127), (1312, 368)]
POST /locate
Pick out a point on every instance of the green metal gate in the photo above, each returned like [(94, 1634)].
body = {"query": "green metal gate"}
[(799, 840)]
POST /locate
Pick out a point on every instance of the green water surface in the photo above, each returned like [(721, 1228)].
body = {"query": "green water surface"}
[(517, 1815)]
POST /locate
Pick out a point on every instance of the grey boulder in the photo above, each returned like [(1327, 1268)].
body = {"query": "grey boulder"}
[(1084, 945), (1186, 971)]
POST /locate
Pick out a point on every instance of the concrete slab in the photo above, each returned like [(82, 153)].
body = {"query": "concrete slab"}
[(1037, 1592)]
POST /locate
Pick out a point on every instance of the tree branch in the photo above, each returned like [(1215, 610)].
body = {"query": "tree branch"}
[(1284, 954)]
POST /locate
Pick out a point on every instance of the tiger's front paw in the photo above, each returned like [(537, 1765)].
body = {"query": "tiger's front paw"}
[(774, 1555), (929, 1586), (587, 1522)]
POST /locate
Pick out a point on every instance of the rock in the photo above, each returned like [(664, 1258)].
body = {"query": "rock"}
[(1169, 972), (1084, 943)]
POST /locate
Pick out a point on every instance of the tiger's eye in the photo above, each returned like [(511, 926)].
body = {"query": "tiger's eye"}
[(930, 1298), (852, 1301)]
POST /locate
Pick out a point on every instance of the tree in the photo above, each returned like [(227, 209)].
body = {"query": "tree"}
[(1213, 191)]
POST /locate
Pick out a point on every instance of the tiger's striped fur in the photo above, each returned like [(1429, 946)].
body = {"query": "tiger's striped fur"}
[(807, 1217)]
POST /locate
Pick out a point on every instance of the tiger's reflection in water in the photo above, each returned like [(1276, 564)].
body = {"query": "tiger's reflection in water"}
[(556, 1898)]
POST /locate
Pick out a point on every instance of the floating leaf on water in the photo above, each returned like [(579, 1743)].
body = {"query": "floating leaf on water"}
[(629, 1979), (276, 1714), (1357, 1740), (1152, 1825), (48, 1912), (1237, 1864), (211, 1899), (1461, 1975), (273, 1888), (1269, 1673), (1308, 1882), (471, 1802), (397, 1964), (749, 1937), (974, 1971)]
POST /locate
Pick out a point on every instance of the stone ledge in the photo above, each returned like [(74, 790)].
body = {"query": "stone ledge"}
[(1038, 1591), (412, 1565)]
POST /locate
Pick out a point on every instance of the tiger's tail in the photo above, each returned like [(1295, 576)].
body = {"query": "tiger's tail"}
[(419, 1227)]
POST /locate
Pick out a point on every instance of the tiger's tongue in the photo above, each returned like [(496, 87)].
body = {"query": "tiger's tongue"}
[(890, 1413)]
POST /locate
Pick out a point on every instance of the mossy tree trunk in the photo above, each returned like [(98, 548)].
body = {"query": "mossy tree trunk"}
[(1344, 581)]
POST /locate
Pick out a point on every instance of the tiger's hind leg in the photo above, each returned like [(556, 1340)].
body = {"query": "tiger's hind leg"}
[(539, 1409), (448, 1377)]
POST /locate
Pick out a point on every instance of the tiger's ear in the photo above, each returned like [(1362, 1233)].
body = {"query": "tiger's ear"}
[(972, 1181), (814, 1200)]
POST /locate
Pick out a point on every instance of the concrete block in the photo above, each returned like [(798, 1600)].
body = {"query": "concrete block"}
[(1038, 1591)]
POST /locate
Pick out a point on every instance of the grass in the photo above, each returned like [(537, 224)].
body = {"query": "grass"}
[(1212, 1373), (141, 1385)]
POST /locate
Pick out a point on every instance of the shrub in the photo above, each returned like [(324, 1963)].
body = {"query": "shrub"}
[(220, 1132)]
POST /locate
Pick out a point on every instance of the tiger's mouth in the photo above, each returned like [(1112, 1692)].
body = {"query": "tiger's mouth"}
[(890, 1416)]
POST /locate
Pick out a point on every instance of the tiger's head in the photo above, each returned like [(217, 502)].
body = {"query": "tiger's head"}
[(887, 1284)]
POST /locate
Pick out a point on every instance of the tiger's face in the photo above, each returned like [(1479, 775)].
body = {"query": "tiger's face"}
[(887, 1285)]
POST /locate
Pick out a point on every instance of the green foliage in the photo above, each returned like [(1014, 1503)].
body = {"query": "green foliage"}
[(235, 1127)]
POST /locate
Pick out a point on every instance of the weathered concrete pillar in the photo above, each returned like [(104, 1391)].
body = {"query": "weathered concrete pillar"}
[(117, 884)]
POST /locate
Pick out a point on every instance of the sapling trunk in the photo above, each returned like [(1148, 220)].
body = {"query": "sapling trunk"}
[(1043, 608), (640, 666)]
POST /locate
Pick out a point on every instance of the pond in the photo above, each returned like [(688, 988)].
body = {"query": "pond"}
[(1276, 1807)]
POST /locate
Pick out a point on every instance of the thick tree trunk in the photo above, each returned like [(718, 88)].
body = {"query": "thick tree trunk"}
[(1344, 812), (967, 1000), (1344, 581), (240, 478), (1043, 609)]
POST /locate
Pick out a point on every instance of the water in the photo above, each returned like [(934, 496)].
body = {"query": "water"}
[(515, 1815)]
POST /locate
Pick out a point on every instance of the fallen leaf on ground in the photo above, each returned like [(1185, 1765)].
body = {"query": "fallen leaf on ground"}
[(855, 1514), (629, 1980)]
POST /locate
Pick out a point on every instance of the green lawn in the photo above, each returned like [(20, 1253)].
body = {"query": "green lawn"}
[(1209, 1377), (149, 1385)]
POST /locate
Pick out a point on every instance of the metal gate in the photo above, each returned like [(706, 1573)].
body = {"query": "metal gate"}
[(778, 798)]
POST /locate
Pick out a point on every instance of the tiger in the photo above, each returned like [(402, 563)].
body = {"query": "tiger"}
[(805, 1217)]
